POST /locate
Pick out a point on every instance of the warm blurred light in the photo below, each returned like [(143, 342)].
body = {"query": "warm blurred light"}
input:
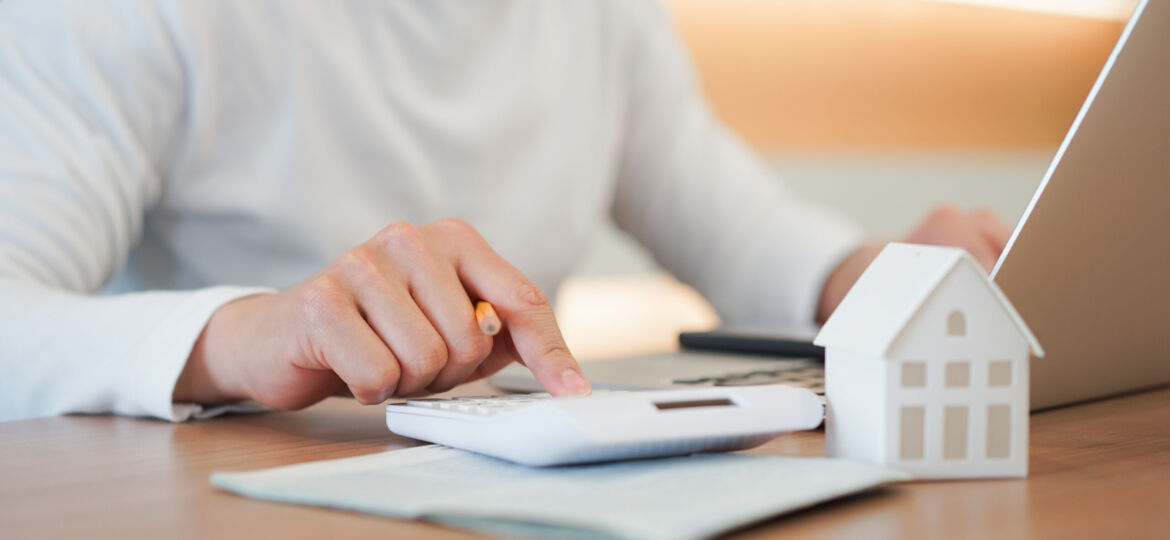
[(1099, 9), (621, 315)]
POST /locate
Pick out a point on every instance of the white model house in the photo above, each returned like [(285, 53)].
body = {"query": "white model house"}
[(926, 368)]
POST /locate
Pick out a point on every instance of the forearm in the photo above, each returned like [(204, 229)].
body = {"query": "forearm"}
[(981, 233), (213, 372), (74, 353), (842, 278)]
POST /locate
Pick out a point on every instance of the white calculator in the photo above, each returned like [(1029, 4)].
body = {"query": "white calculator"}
[(538, 430)]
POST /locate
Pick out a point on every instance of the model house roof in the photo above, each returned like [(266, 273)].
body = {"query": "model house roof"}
[(891, 291)]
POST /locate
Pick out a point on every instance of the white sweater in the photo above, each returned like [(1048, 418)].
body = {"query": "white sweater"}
[(159, 159)]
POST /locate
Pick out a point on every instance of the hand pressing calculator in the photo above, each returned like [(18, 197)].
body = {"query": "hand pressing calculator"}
[(538, 430)]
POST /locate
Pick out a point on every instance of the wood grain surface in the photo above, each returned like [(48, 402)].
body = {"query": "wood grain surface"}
[(1097, 470)]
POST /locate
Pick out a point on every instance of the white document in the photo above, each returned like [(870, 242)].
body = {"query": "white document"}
[(679, 498)]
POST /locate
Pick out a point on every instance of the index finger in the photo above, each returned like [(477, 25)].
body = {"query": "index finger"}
[(527, 314)]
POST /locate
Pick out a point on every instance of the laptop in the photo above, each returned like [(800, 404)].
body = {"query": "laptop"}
[(1088, 265)]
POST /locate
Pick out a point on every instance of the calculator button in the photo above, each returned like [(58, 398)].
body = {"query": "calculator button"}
[(430, 403)]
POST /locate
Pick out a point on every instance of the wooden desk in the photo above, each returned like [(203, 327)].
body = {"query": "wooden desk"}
[(1097, 470)]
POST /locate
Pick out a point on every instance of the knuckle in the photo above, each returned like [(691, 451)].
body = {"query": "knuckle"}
[(470, 351), (363, 394), (457, 227), (434, 358), (556, 352), (946, 212), (397, 228), (358, 263), (428, 360), (366, 395), (401, 237), (323, 301), (378, 385), (528, 293)]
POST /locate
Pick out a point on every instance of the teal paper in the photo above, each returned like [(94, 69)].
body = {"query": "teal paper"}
[(680, 498)]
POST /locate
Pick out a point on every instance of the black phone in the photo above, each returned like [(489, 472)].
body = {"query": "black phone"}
[(731, 341)]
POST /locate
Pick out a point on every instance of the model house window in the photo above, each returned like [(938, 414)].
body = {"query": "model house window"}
[(956, 324), (999, 434), (955, 432), (912, 421), (913, 374), (999, 373), (958, 374)]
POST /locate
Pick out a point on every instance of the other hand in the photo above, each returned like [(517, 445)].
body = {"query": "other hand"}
[(981, 233), (391, 317)]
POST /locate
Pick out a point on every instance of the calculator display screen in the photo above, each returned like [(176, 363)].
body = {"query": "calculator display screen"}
[(718, 402)]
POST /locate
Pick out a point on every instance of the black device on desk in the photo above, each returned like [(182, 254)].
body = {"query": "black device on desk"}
[(727, 357), (731, 341)]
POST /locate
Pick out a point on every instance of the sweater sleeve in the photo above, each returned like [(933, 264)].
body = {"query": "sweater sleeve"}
[(91, 94), (707, 207)]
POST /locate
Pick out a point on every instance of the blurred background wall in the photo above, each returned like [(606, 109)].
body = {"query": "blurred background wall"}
[(833, 75), (880, 108)]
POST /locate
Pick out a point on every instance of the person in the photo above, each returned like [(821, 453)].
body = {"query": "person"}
[(213, 201)]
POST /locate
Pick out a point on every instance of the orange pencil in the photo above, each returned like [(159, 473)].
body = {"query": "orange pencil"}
[(485, 315)]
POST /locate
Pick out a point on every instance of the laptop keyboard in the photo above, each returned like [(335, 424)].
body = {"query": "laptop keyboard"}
[(810, 378)]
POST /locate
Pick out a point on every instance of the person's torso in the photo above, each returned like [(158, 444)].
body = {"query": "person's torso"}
[(311, 125)]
